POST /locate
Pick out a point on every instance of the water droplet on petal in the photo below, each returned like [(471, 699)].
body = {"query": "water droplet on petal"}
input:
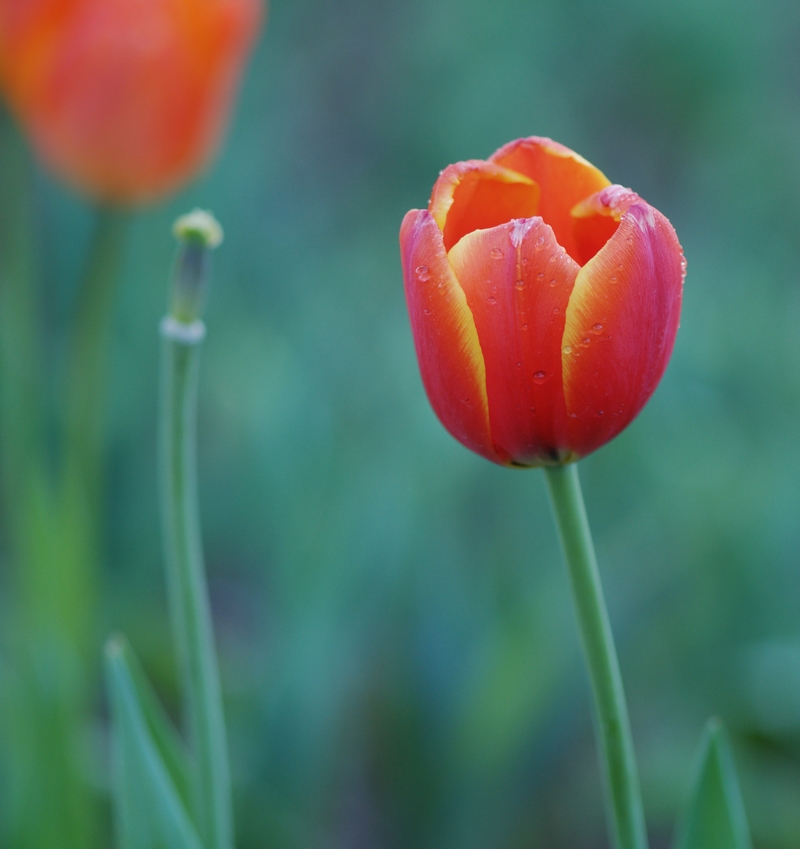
[(599, 412), (556, 310), (587, 340), (496, 253), (540, 275), (519, 365), (492, 301), (423, 273), (620, 267), (598, 328), (539, 377), (553, 282), (612, 279), (427, 312), (567, 349), (520, 284), (524, 326), (540, 241)]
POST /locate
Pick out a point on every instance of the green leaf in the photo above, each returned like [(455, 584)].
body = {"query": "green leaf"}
[(166, 739), (714, 817), (150, 811)]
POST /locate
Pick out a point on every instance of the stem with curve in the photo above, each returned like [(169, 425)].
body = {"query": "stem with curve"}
[(626, 812), (183, 332)]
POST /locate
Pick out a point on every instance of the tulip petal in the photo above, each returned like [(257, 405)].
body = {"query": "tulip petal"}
[(518, 280), (448, 350), (622, 316), (564, 177), (475, 195)]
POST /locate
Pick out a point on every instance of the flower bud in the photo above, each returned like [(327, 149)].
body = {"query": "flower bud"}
[(544, 302), (198, 233)]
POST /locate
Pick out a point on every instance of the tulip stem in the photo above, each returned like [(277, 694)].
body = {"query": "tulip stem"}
[(191, 615), (85, 402), (80, 484), (626, 812)]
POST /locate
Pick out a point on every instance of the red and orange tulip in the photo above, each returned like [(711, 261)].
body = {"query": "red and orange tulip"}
[(125, 99), (544, 302)]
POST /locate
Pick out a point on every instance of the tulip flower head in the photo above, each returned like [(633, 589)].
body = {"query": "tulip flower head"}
[(544, 302), (124, 99)]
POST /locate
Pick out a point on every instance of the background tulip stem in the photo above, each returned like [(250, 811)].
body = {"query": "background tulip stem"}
[(79, 506), (190, 609), (613, 725), (88, 354)]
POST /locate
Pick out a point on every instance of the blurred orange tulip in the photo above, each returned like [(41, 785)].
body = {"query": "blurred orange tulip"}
[(124, 99)]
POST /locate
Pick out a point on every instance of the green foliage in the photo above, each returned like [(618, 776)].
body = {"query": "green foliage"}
[(150, 766), (398, 653), (715, 817)]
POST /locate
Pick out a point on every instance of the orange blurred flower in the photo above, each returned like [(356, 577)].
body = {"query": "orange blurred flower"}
[(125, 99)]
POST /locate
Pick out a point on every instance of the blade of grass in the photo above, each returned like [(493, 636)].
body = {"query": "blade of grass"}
[(150, 811), (714, 817), (165, 737)]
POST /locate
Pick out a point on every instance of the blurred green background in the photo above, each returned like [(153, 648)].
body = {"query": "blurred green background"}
[(399, 656)]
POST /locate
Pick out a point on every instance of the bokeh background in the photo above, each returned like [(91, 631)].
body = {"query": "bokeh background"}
[(399, 655)]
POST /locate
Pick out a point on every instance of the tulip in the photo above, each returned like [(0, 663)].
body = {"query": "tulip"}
[(124, 99), (544, 302)]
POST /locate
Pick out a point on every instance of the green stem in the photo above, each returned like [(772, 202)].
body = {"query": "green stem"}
[(73, 568), (88, 353), (187, 583), (616, 742)]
